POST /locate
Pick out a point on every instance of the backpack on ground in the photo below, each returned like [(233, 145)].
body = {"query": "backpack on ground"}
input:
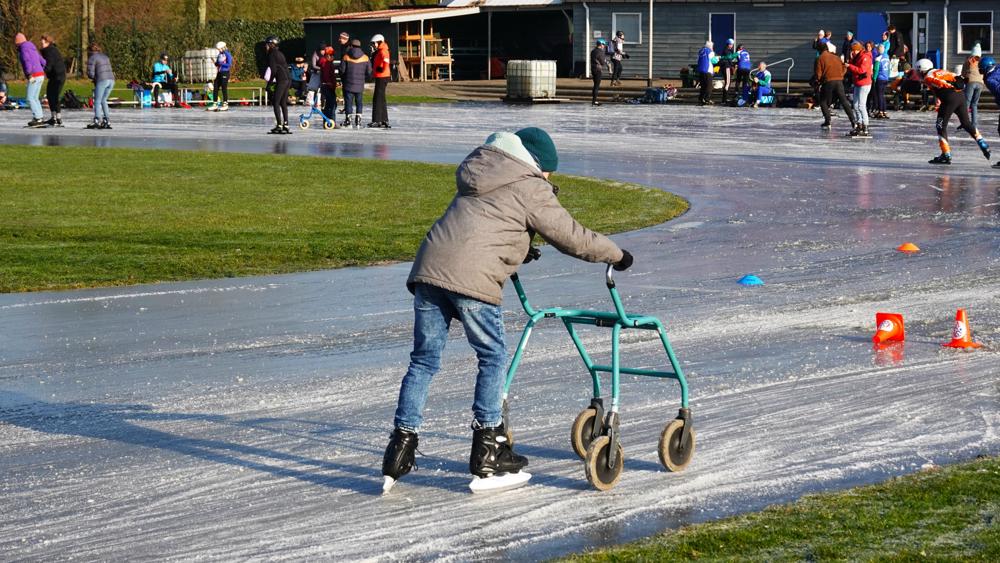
[(70, 101)]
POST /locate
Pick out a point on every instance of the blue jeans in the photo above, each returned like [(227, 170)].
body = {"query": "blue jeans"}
[(352, 101), (433, 310), (861, 104), (972, 92), (102, 91), (34, 90)]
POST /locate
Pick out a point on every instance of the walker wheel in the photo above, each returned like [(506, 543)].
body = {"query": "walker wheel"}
[(582, 432), (672, 456), (328, 125), (304, 123), (599, 474)]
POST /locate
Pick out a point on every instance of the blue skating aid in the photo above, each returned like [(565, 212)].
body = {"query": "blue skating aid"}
[(749, 280)]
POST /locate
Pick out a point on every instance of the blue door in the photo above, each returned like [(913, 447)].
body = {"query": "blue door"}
[(870, 27), (721, 27)]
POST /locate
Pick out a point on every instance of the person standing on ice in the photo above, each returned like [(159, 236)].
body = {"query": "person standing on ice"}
[(829, 72), (706, 70), (55, 71), (33, 66), (947, 88), (277, 74), (727, 63), (382, 72), (503, 199), (861, 71), (223, 65), (598, 62)]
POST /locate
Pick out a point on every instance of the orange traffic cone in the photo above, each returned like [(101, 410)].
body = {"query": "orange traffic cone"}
[(961, 335), (908, 248), (890, 328)]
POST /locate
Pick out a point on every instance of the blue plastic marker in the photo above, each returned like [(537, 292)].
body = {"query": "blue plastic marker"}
[(749, 280)]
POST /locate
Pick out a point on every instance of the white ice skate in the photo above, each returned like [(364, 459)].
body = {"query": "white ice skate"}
[(497, 483)]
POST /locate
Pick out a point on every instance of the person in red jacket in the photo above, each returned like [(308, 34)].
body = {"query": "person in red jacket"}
[(382, 72), (328, 70), (860, 66), (948, 88)]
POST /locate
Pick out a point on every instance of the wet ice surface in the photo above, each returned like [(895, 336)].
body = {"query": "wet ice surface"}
[(246, 417)]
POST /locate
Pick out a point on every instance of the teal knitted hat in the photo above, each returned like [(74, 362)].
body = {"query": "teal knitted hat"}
[(540, 145)]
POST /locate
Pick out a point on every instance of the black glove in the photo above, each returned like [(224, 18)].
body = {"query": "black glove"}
[(960, 83), (625, 263), (626, 55), (533, 254)]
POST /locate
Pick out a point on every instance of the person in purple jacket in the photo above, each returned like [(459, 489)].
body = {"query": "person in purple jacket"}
[(34, 70)]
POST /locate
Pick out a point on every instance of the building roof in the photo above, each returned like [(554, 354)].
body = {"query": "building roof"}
[(397, 16), (499, 3)]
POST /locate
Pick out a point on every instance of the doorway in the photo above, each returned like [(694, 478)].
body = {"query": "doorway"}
[(720, 28), (913, 26)]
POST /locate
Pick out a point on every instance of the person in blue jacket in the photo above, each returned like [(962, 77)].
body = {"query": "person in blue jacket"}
[(762, 78), (706, 69), (223, 64), (164, 76), (881, 72), (991, 78), (743, 68)]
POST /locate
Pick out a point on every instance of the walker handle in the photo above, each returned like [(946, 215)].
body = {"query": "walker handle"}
[(609, 276)]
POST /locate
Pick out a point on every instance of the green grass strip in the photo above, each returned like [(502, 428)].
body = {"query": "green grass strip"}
[(946, 514), (82, 217)]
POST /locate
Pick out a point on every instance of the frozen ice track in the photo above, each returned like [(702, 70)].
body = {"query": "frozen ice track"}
[(246, 418)]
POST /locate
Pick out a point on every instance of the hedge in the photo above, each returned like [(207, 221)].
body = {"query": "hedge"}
[(133, 52)]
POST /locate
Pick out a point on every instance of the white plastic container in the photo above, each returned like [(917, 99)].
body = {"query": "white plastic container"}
[(531, 80), (199, 66)]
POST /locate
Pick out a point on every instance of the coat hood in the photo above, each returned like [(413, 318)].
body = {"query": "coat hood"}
[(501, 161), (355, 53)]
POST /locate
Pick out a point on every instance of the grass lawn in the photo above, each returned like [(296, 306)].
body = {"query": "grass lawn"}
[(81, 217), (84, 88), (951, 513)]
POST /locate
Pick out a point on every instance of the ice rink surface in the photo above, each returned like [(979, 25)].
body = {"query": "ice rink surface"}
[(246, 418)]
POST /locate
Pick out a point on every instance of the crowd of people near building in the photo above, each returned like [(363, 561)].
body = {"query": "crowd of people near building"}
[(344, 68), (858, 78)]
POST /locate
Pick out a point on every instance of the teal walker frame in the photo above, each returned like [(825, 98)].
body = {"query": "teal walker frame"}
[(595, 435)]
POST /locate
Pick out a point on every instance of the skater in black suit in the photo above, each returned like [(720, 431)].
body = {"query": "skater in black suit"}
[(277, 74)]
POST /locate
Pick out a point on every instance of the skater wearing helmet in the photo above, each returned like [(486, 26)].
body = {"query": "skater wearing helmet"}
[(503, 199), (382, 72), (991, 79), (947, 87), (598, 62), (277, 74), (861, 71), (829, 71), (727, 64), (223, 64)]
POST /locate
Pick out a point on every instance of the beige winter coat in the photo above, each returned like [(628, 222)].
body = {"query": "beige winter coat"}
[(484, 235)]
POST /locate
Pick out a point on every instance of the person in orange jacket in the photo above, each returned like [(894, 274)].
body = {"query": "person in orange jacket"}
[(382, 72), (948, 88)]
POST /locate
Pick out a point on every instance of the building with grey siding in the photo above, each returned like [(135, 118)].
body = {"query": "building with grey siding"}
[(772, 30), (782, 29)]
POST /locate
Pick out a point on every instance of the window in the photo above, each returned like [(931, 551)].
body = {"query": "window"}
[(628, 23), (975, 27)]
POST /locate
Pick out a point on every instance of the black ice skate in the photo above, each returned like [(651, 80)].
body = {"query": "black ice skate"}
[(493, 463), (398, 459), (985, 148), (275, 131), (941, 159)]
